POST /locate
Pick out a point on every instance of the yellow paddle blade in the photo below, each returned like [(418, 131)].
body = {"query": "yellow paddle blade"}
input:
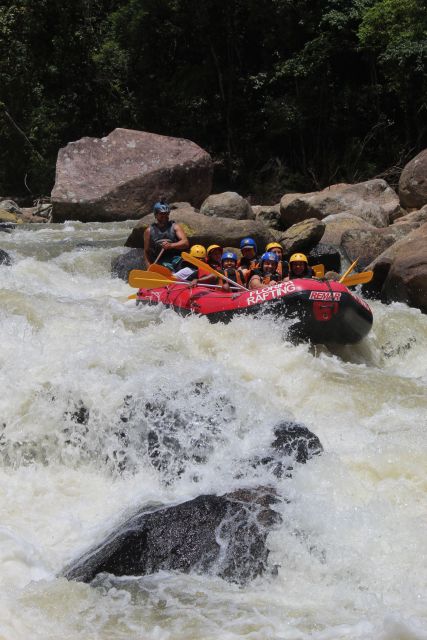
[(150, 283), (319, 270), (358, 278), (136, 276), (139, 273), (164, 271), (349, 270)]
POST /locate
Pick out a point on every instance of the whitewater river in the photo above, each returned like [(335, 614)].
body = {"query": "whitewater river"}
[(77, 360)]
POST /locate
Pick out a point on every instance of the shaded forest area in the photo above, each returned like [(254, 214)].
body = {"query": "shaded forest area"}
[(286, 95)]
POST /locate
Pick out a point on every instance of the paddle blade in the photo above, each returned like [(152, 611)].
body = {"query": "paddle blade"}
[(164, 271), (200, 264), (358, 278), (319, 270), (150, 283), (139, 273)]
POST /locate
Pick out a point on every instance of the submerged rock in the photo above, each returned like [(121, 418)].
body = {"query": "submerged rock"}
[(294, 443), (123, 264), (5, 259), (221, 535)]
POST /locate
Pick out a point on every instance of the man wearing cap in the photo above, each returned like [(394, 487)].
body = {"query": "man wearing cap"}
[(164, 239)]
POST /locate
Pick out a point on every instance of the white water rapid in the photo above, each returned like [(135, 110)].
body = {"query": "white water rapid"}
[(351, 550)]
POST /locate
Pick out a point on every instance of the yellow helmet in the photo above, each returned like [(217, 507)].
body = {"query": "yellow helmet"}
[(212, 247), (298, 257), (198, 251), (273, 245)]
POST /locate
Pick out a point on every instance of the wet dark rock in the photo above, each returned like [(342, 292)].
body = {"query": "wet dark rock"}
[(327, 255), (123, 264), (294, 443), (220, 535), (5, 259)]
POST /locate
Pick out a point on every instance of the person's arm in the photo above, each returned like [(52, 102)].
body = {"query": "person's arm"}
[(147, 246), (181, 245), (255, 283)]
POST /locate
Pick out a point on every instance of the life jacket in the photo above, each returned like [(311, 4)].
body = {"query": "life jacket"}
[(156, 235), (266, 278), (245, 263), (236, 275)]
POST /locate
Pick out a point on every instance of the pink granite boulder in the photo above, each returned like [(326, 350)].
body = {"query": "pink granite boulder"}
[(119, 177)]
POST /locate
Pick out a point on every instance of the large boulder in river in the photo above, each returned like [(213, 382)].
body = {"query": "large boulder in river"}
[(223, 535), (227, 205), (119, 177), (413, 182), (302, 236), (413, 220), (338, 223), (400, 272), (367, 244), (269, 215), (373, 201), (206, 230)]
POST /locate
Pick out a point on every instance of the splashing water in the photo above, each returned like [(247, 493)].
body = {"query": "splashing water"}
[(88, 384)]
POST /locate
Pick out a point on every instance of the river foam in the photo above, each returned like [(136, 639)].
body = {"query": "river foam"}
[(79, 367)]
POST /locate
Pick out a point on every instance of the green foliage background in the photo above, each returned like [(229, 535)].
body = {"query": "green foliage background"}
[(285, 94)]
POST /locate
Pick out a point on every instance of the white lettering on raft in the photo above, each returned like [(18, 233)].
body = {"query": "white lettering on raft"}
[(325, 295), (270, 293)]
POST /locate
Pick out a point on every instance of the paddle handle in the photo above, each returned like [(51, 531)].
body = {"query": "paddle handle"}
[(159, 256), (349, 270)]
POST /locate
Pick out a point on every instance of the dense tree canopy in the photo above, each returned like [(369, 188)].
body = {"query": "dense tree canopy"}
[(285, 94)]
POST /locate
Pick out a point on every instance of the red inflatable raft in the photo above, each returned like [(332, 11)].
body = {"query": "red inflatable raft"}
[(325, 311)]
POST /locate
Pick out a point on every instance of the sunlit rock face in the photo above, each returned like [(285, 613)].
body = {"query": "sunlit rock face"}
[(413, 182), (119, 177)]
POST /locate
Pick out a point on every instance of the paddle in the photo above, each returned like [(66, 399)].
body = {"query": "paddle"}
[(138, 273), (349, 270), (145, 282), (357, 278), (159, 268), (206, 267), (319, 270)]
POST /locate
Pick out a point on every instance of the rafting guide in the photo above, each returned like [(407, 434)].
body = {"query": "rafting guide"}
[(164, 239)]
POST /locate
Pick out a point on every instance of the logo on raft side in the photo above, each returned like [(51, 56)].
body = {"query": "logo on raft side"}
[(270, 293)]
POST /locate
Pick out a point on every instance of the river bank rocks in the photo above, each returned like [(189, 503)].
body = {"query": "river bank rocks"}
[(227, 205), (413, 182), (400, 272), (119, 177), (11, 214), (373, 201), (220, 535)]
